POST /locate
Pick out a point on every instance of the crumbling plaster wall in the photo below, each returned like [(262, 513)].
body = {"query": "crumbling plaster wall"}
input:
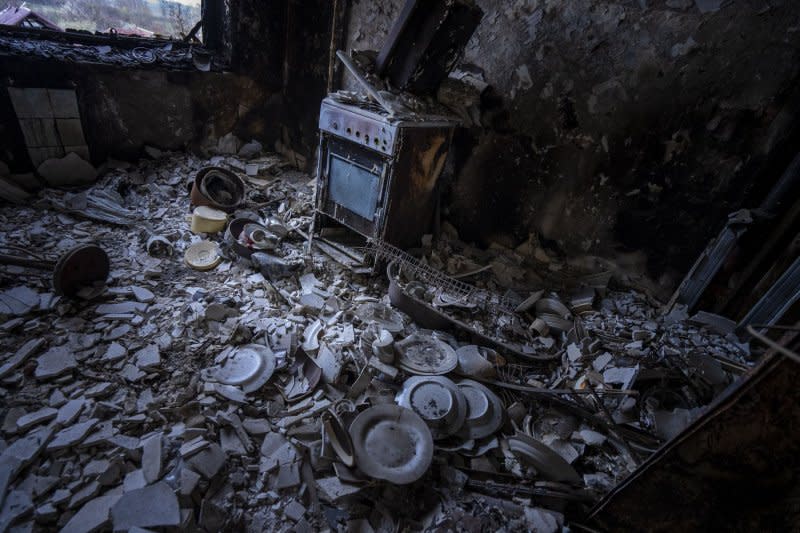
[(618, 126)]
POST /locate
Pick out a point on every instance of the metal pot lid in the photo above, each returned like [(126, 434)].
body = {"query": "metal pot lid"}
[(484, 410), (392, 443), (541, 457), (248, 367), (422, 353), (381, 314), (437, 400)]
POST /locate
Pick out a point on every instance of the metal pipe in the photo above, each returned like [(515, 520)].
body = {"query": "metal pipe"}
[(26, 262)]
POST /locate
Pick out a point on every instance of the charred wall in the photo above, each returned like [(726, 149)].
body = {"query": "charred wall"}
[(618, 126), (125, 107)]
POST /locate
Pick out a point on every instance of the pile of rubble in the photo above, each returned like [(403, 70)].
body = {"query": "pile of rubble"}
[(242, 396)]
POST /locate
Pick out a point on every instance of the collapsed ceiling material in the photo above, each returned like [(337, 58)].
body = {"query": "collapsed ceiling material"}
[(290, 388)]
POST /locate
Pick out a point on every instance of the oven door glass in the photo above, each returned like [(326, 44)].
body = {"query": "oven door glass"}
[(354, 187)]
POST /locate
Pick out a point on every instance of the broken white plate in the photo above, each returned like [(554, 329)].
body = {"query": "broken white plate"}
[(392, 443), (248, 367)]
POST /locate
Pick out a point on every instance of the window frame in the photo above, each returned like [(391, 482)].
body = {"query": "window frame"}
[(212, 18)]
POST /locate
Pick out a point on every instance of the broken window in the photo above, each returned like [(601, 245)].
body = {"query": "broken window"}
[(166, 19)]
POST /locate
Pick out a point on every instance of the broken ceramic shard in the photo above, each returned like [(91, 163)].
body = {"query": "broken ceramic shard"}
[(546, 461), (478, 362), (381, 314)]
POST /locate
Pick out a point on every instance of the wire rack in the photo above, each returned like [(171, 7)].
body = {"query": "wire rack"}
[(458, 290)]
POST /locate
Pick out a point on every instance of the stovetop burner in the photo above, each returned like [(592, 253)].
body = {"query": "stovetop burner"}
[(360, 103)]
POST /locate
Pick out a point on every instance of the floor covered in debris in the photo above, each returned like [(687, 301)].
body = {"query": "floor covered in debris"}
[(253, 395)]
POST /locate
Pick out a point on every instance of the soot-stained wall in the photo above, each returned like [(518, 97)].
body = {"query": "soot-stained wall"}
[(619, 126), (124, 108)]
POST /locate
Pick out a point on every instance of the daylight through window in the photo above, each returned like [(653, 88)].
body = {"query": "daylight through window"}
[(138, 18)]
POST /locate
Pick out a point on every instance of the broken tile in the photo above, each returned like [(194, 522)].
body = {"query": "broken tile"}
[(294, 511), (143, 295), (71, 435), (208, 462), (152, 506), (115, 352), (20, 356), (152, 459), (36, 418), (95, 515), (148, 357), (55, 362)]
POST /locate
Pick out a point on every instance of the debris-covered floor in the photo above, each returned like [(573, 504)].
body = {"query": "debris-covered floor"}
[(230, 400)]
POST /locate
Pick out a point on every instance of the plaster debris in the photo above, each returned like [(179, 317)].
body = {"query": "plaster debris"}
[(68, 170), (68, 437), (152, 506), (55, 362), (148, 357), (147, 411)]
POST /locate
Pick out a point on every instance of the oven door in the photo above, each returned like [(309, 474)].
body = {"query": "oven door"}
[(353, 183)]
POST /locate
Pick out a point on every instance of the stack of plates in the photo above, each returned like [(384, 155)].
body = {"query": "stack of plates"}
[(555, 314), (484, 410), (437, 400)]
